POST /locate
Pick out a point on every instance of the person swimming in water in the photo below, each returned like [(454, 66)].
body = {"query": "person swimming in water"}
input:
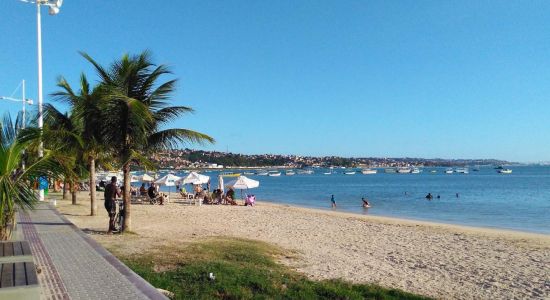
[(366, 203), (429, 196)]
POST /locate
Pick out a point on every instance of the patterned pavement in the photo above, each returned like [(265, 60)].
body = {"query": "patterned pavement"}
[(72, 265)]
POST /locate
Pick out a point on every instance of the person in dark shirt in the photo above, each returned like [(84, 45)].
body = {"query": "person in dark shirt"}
[(111, 192), (152, 193)]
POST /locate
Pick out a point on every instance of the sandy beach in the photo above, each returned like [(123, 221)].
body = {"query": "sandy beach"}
[(442, 261)]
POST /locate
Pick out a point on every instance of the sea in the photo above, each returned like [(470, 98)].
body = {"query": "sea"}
[(518, 201)]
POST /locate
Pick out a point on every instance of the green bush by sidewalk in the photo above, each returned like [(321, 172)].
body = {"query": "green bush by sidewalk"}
[(243, 269)]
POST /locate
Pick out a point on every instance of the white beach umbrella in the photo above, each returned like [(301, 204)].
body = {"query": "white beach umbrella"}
[(169, 180), (195, 178), (243, 183), (134, 178), (146, 178)]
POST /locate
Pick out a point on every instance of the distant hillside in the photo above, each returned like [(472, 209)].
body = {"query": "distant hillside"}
[(188, 158)]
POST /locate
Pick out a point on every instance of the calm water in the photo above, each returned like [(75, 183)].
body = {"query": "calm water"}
[(519, 201)]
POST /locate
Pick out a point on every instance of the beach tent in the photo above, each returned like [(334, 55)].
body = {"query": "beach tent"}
[(146, 178), (169, 180), (195, 178)]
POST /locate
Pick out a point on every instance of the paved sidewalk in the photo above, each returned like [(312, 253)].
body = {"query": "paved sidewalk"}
[(73, 266)]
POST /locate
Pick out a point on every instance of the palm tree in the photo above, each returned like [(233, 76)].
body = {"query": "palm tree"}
[(85, 109), (16, 182), (135, 110), (63, 132)]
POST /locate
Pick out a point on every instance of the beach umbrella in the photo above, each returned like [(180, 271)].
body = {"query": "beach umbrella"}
[(146, 178), (243, 183), (169, 180), (195, 178), (134, 178)]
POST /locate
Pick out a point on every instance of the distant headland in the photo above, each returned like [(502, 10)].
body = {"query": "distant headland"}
[(189, 158)]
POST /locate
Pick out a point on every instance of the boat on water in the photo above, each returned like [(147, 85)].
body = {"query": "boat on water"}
[(350, 173), (403, 170), (505, 171), (369, 171), (262, 173), (449, 171), (462, 170), (390, 170), (248, 173), (415, 171), (327, 173), (274, 174), (230, 174), (433, 171), (290, 173)]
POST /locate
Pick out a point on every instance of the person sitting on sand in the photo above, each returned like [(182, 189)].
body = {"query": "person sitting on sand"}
[(230, 197), (429, 196), (152, 193), (142, 190), (366, 203), (332, 201)]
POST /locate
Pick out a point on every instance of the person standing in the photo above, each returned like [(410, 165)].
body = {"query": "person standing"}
[(333, 202), (111, 192)]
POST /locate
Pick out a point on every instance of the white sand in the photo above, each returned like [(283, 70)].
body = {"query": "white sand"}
[(442, 261)]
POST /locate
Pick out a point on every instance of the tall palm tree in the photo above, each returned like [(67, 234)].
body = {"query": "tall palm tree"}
[(16, 182), (85, 109), (135, 110)]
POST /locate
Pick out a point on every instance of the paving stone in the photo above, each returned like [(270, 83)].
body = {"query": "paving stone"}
[(73, 267)]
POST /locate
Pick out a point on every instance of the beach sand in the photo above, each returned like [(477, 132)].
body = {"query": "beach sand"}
[(442, 261)]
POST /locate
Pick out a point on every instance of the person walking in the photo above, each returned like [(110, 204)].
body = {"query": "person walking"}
[(333, 202), (111, 192)]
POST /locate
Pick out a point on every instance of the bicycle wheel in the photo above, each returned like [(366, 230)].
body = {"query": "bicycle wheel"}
[(120, 223)]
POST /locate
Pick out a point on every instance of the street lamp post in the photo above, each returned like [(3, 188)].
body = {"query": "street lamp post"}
[(53, 10)]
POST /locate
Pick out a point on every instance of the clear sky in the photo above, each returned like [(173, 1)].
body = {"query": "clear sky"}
[(451, 79)]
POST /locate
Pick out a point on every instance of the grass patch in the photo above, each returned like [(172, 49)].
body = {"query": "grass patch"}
[(243, 269)]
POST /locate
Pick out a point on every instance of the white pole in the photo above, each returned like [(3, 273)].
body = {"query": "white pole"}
[(23, 125), (40, 121), (24, 102)]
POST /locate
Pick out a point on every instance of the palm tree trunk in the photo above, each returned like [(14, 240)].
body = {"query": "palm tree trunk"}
[(73, 192), (93, 204), (64, 189), (126, 197)]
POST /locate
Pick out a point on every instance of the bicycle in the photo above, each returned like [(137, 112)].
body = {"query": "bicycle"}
[(119, 217)]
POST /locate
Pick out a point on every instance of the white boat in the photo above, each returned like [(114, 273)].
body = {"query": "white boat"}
[(449, 171), (327, 173), (248, 173), (390, 170), (403, 170), (262, 173), (274, 174), (415, 171), (505, 171), (462, 170), (350, 173), (369, 171), (290, 173), (433, 171)]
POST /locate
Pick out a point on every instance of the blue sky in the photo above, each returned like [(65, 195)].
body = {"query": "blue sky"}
[(451, 79)]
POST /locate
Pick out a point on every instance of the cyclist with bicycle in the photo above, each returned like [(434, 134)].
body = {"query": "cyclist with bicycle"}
[(111, 192)]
